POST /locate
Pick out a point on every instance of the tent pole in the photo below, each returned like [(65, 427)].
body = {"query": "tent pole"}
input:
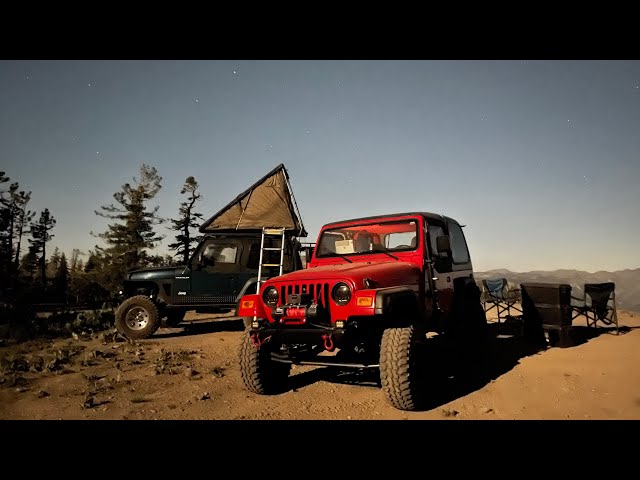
[(244, 209)]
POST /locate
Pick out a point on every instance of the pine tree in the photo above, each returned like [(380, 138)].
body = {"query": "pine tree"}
[(14, 217), (53, 263), (76, 262), (40, 236), (22, 218), (129, 238), (5, 232), (187, 220), (29, 263), (61, 279)]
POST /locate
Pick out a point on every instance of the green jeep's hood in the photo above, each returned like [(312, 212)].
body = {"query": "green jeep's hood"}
[(155, 273)]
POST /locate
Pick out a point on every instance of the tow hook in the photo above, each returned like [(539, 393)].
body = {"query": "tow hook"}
[(256, 341), (328, 342)]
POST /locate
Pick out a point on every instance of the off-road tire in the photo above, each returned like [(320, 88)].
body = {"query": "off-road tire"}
[(174, 317), (401, 352), (259, 373), (145, 306)]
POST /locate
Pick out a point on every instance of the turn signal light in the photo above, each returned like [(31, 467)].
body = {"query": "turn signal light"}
[(247, 304), (365, 301)]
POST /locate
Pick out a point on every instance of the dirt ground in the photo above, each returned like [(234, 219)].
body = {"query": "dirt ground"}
[(192, 373)]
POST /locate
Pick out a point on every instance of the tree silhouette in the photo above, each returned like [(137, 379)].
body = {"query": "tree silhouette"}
[(187, 220), (14, 217), (39, 237), (61, 279), (132, 234), (22, 218)]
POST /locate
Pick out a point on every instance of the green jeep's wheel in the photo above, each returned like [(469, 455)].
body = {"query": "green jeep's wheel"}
[(402, 367), (137, 317), (259, 373)]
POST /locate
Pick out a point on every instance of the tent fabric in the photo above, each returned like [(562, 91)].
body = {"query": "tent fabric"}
[(267, 203)]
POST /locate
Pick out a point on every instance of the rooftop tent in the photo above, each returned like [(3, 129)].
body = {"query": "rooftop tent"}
[(267, 203)]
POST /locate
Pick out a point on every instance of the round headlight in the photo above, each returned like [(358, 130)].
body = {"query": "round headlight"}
[(270, 296), (341, 293)]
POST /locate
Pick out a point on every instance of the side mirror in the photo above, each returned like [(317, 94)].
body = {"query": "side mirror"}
[(443, 244)]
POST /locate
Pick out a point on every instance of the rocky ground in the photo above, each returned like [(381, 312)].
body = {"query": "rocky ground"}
[(192, 372)]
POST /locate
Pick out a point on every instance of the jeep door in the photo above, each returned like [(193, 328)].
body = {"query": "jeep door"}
[(248, 265), (442, 268), (214, 274), (448, 265)]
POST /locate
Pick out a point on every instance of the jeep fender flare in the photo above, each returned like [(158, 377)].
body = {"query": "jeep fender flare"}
[(147, 288), (399, 306), (245, 288)]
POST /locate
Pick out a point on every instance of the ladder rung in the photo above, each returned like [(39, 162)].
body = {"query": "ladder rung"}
[(273, 231), (271, 265), (272, 248)]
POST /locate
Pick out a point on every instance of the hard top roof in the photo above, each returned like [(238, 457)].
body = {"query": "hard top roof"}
[(427, 215)]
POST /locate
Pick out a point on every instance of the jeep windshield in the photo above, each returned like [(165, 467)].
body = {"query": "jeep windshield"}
[(368, 238)]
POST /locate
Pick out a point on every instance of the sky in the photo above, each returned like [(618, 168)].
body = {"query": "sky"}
[(540, 160)]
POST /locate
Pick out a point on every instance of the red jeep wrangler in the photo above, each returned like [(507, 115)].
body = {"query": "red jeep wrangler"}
[(372, 291)]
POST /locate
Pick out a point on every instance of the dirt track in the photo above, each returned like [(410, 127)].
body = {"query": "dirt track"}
[(192, 373)]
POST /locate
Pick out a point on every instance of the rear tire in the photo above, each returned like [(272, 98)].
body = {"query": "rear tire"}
[(259, 373), (137, 317), (401, 368)]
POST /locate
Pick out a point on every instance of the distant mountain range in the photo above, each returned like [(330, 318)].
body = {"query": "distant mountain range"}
[(627, 282)]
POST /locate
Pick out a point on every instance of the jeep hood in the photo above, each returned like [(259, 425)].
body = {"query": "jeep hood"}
[(155, 273), (382, 273)]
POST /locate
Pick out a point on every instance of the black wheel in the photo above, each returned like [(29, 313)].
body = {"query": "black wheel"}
[(174, 317), (402, 367), (259, 373), (137, 317)]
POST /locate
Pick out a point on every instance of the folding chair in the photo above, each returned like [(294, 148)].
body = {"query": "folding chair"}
[(598, 304), (496, 294)]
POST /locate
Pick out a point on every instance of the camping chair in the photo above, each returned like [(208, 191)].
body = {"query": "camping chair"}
[(496, 294), (598, 304)]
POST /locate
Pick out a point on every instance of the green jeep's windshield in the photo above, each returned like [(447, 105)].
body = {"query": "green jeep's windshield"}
[(397, 236)]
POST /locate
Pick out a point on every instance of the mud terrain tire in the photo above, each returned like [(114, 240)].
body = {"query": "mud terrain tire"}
[(137, 317), (401, 352), (259, 373)]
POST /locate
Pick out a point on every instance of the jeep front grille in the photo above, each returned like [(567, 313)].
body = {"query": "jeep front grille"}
[(319, 292)]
